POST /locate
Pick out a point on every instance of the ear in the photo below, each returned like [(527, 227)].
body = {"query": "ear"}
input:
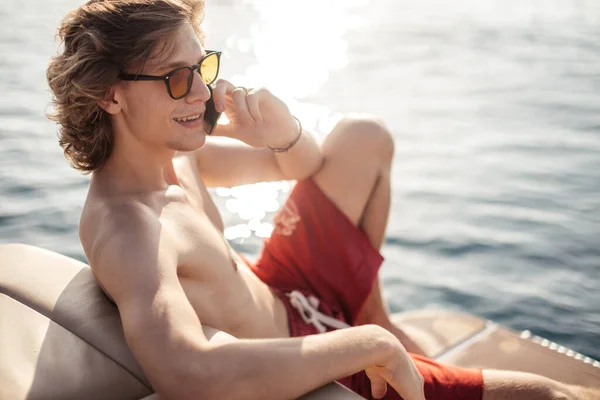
[(110, 103)]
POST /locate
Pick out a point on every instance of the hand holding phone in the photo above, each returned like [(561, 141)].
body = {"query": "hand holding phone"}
[(211, 115)]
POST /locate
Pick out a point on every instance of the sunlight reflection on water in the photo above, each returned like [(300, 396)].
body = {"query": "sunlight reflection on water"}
[(286, 61), (282, 39), (252, 203)]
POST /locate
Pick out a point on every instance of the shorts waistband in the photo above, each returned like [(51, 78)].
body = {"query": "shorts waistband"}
[(307, 307)]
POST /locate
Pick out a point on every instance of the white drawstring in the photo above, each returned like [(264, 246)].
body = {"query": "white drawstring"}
[(309, 313)]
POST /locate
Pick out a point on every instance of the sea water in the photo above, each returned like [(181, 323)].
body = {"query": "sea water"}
[(495, 111)]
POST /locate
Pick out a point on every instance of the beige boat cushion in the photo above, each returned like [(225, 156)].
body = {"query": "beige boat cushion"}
[(434, 330), (62, 338), (470, 342), (500, 348)]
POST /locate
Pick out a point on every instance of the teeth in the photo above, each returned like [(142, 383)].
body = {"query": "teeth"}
[(192, 118)]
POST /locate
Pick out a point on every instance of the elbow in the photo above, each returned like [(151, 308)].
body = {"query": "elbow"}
[(317, 165), (182, 384), (185, 378), (311, 167), (208, 378)]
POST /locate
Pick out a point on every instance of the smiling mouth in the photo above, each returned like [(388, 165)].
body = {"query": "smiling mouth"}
[(188, 119)]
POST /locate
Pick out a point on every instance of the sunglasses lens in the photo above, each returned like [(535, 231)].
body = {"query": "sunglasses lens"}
[(180, 82), (209, 68)]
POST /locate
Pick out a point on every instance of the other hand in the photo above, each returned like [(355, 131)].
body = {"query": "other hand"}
[(398, 370)]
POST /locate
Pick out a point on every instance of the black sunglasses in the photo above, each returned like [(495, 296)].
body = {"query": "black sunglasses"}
[(179, 81)]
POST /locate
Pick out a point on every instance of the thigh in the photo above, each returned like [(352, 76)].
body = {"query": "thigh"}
[(355, 152), (315, 247)]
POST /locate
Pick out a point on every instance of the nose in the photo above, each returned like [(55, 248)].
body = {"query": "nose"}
[(199, 91)]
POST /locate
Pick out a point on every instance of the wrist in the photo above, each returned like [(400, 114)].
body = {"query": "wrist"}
[(386, 344), (289, 140)]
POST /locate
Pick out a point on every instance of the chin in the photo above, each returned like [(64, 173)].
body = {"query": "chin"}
[(198, 140), (189, 142)]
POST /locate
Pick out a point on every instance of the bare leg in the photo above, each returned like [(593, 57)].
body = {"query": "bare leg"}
[(511, 385), (373, 223), (356, 177), (375, 216), (356, 152)]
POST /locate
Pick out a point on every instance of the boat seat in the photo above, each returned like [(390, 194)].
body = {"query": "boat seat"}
[(62, 338)]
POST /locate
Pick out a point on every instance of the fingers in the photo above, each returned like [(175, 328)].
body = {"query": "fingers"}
[(252, 99), (220, 90), (411, 387), (407, 375), (245, 103), (420, 383), (378, 385), (420, 389), (405, 378), (240, 103)]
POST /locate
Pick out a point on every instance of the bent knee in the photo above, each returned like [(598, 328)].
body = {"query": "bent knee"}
[(367, 134)]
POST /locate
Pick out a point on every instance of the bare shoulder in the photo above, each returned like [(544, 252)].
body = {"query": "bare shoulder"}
[(104, 219), (125, 242)]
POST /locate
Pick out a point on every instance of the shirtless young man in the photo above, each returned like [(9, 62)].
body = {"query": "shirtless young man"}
[(154, 238)]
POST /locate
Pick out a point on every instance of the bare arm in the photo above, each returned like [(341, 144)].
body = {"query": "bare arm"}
[(258, 120), (232, 163), (305, 157), (138, 267)]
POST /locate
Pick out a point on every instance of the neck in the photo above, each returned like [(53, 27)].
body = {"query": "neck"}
[(138, 167)]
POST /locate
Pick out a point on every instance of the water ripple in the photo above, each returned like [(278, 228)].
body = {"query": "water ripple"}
[(494, 105)]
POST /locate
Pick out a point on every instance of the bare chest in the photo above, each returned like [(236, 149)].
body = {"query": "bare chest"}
[(221, 288), (195, 224), (201, 247)]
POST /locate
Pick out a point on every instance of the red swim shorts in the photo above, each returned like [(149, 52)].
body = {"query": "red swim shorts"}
[(315, 249)]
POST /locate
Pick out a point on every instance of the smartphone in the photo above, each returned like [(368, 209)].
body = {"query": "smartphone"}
[(211, 115)]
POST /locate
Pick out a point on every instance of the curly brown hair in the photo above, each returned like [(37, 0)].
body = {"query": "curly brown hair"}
[(100, 39)]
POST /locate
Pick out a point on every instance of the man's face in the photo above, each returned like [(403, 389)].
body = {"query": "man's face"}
[(152, 115)]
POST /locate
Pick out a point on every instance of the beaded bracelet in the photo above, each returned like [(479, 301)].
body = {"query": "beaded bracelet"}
[(292, 143)]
